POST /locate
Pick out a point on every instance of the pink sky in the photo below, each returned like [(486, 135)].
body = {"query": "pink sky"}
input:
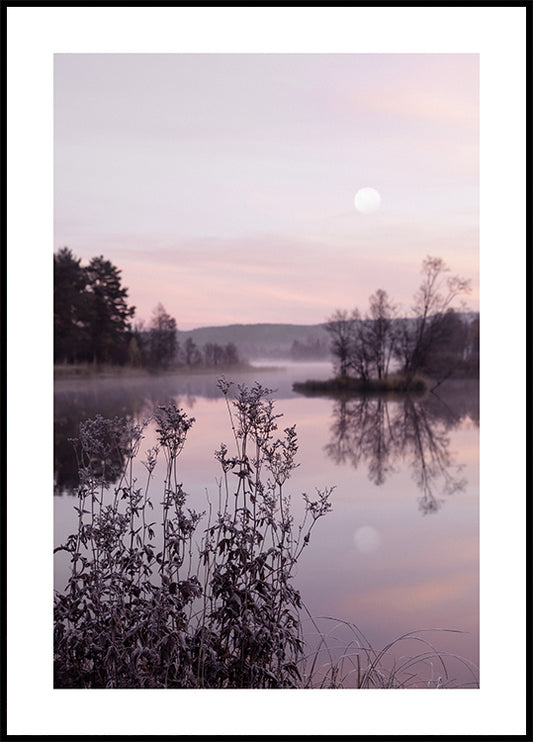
[(222, 185)]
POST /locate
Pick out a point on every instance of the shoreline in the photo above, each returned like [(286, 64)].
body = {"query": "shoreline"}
[(79, 372)]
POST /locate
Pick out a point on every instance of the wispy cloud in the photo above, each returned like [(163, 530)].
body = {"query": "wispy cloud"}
[(228, 180)]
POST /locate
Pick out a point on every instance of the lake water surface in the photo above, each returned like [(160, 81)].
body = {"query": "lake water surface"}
[(400, 550)]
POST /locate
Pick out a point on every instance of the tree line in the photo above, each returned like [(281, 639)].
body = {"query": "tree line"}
[(93, 323), (433, 339)]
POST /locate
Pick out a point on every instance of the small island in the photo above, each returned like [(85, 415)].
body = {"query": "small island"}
[(349, 385), (383, 353)]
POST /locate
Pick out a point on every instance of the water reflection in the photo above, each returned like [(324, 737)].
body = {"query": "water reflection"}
[(385, 434), (134, 398), (75, 403), (380, 432)]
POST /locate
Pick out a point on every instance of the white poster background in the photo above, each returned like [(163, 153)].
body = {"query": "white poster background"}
[(34, 34)]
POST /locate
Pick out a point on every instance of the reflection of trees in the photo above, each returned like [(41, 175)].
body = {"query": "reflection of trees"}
[(423, 437), (69, 413), (362, 431), (131, 397), (76, 402), (385, 433)]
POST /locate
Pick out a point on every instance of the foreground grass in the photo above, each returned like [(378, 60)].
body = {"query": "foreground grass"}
[(343, 657), (349, 385)]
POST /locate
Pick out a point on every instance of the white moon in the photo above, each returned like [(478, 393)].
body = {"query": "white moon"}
[(367, 539), (367, 200)]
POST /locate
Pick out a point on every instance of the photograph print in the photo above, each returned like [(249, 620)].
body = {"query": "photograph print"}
[(266, 371)]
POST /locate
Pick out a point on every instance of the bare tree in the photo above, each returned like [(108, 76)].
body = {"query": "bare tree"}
[(193, 357), (360, 355), (379, 335), (341, 327), (417, 336), (163, 339), (363, 346)]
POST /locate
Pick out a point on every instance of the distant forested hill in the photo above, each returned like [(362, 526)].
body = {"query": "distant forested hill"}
[(297, 342), (273, 341)]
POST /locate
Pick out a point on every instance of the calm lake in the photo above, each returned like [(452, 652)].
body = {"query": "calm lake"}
[(398, 553)]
